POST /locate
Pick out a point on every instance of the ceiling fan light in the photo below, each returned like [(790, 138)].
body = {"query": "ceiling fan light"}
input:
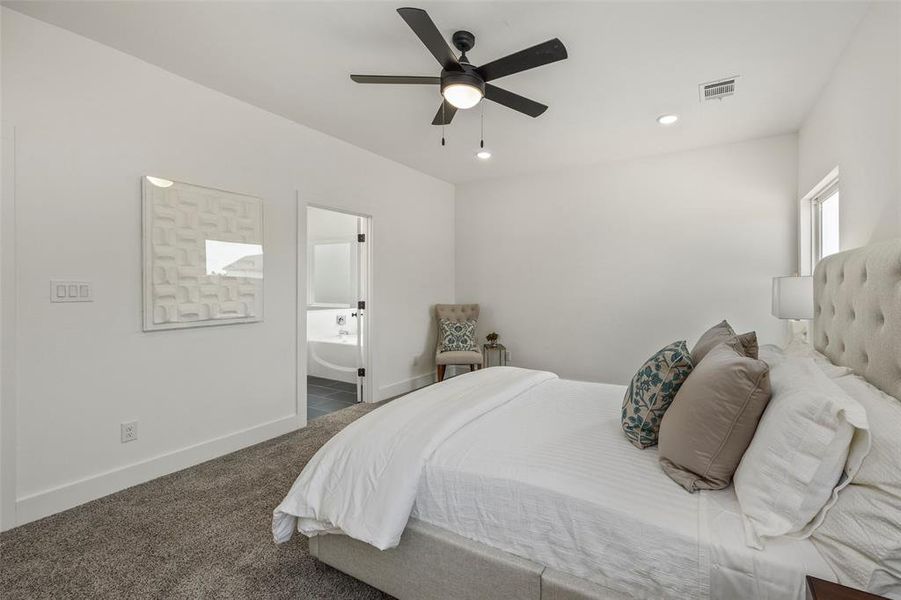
[(461, 95)]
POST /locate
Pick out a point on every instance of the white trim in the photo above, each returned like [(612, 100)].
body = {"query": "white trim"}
[(824, 183), (9, 277), (300, 325), (405, 386), (368, 333), (69, 495)]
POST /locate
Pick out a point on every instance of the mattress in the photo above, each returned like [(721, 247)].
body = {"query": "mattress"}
[(551, 478)]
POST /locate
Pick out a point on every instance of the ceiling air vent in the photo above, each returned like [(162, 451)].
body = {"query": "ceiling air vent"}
[(717, 90)]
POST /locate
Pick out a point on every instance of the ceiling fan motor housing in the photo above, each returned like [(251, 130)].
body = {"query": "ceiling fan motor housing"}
[(463, 41), (467, 76)]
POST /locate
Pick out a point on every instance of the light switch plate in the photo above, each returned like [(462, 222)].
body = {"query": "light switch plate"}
[(66, 290)]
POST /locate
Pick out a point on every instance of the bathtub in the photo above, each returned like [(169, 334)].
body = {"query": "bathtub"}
[(333, 357)]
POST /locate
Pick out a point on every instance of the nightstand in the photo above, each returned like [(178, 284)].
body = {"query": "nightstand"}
[(498, 351), (819, 589)]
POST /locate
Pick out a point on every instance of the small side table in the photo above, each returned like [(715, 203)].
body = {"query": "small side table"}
[(819, 589), (499, 351)]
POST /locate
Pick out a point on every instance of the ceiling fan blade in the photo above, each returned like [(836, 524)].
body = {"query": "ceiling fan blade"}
[(401, 79), (514, 101), (445, 114), (542, 54), (424, 28)]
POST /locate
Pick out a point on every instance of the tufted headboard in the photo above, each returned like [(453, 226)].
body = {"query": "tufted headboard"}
[(857, 312)]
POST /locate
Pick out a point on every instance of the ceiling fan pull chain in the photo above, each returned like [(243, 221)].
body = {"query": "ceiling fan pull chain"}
[(482, 125), (443, 123)]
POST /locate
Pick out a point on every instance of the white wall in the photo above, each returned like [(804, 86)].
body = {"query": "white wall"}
[(89, 122), (856, 125), (589, 271)]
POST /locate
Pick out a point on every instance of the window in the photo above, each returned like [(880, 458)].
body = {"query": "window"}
[(819, 223), (824, 217)]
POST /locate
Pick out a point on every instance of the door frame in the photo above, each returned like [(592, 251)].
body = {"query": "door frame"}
[(9, 276), (302, 305)]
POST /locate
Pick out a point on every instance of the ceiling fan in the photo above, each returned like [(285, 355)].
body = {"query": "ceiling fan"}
[(463, 85)]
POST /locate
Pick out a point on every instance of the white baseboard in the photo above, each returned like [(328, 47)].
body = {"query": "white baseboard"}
[(407, 385), (48, 502)]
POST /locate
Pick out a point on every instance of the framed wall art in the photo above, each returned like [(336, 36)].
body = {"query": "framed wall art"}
[(203, 256)]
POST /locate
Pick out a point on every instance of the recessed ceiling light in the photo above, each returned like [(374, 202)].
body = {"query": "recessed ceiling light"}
[(667, 119), (483, 154)]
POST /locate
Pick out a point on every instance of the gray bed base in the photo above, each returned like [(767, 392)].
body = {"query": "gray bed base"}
[(431, 563)]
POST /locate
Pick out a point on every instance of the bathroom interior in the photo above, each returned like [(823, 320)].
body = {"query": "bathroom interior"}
[(336, 261)]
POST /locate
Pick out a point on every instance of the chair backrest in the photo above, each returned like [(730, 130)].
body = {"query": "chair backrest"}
[(456, 312)]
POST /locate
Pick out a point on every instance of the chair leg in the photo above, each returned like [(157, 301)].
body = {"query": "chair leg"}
[(439, 370), (472, 367)]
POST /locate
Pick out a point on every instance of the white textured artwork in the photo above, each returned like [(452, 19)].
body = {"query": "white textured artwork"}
[(203, 256)]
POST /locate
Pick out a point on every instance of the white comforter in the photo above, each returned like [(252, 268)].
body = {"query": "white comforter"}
[(364, 480)]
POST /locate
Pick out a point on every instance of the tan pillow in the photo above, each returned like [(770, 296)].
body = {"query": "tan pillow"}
[(745, 343), (712, 420), (719, 333)]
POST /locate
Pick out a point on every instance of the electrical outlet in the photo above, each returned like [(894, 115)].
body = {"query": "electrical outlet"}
[(129, 431)]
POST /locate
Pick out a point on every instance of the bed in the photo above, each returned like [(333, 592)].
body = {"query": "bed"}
[(510, 483)]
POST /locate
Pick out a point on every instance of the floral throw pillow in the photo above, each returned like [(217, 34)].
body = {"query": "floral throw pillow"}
[(457, 336), (652, 391)]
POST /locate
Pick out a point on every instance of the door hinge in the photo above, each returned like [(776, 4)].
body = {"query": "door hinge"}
[(361, 237), (361, 372), (361, 305)]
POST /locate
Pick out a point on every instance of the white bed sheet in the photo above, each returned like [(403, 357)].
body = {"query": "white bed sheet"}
[(550, 477)]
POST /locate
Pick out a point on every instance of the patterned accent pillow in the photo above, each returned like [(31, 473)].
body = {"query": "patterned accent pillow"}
[(652, 391), (457, 336)]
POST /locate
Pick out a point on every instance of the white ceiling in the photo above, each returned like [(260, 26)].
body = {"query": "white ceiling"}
[(628, 63)]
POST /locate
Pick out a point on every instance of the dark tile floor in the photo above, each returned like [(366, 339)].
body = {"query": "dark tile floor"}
[(326, 395)]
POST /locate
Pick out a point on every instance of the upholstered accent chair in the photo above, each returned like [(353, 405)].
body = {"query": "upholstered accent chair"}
[(459, 313)]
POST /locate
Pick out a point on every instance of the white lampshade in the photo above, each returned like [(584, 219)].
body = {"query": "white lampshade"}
[(793, 297)]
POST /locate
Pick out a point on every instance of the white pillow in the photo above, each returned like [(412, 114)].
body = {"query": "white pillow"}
[(861, 536), (808, 445), (772, 354)]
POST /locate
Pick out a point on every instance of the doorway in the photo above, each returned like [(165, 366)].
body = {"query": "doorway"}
[(337, 341)]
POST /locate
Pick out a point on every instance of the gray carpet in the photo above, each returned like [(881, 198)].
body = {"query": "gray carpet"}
[(200, 533)]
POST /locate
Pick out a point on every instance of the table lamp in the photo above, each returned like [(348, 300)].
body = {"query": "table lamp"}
[(793, 300)]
